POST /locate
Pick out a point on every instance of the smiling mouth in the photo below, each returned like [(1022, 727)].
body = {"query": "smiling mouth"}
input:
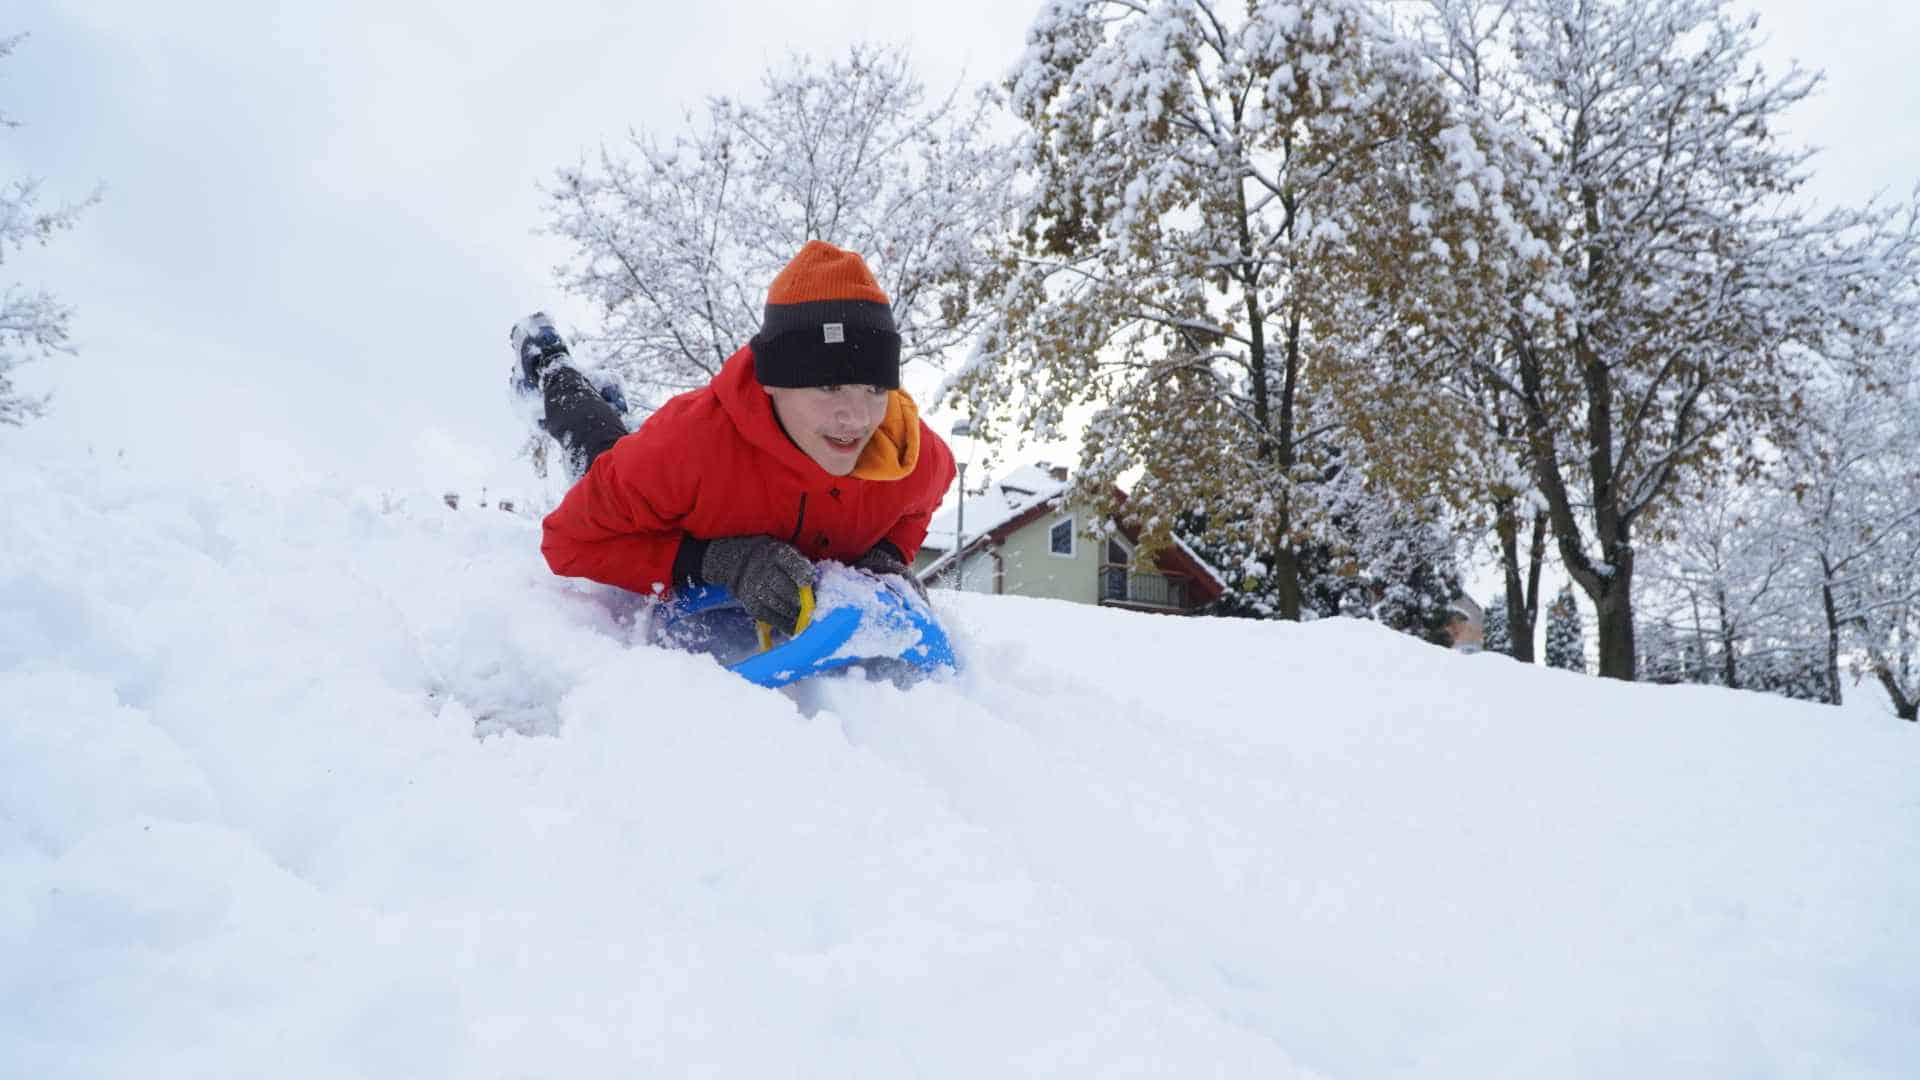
[(851, 442)]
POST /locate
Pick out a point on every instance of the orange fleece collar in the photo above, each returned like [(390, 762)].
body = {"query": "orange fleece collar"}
[(895, 447)]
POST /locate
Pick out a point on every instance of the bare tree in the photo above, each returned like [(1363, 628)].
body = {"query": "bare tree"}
[(1727, 578), (1667, 333), (677, 238), (1855, 518)]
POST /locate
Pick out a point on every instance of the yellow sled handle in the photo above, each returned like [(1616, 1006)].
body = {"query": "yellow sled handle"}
[(806, 616)]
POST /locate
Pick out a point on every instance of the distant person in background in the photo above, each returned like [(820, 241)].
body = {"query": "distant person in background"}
[(802, 448)]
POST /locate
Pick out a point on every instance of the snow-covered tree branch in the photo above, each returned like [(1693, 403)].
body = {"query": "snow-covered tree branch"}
[(1207, 189), (1854, 479), (676, 237), (1658, 341), (33, 323)]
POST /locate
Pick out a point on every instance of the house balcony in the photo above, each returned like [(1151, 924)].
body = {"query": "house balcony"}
[(1124, 587)]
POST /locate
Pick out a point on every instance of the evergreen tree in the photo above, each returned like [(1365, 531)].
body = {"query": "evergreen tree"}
[(1378, 563), (1250, 589), (1499, 631), (1661, 654), (1671, 655), (1797, 672), (1566, 641), (1382, 558)]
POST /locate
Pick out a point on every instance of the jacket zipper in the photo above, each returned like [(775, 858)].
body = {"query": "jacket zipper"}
[(801, 521)]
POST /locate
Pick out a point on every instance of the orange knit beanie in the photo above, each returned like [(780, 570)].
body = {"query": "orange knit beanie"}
[(827, 323)]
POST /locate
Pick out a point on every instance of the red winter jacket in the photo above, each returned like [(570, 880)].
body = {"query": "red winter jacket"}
[(714, 462)]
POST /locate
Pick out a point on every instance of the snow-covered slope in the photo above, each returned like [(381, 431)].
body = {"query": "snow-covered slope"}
[(247, 829)]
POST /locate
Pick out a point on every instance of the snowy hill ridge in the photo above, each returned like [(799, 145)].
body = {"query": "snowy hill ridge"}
[(246, 829)]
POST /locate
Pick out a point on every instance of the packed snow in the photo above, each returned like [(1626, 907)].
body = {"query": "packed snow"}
[(333, 782)]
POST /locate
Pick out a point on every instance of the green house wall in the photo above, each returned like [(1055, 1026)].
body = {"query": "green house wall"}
[(1032, 569)]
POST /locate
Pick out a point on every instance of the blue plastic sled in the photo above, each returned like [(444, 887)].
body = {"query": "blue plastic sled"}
[(828, 643)]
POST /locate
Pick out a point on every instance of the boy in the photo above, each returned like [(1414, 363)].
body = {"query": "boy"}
[(804, 447)]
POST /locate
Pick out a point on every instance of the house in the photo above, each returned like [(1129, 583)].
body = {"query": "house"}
[(1022, 539)]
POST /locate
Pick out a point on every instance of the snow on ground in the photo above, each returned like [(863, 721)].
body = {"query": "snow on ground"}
[(334, 783)]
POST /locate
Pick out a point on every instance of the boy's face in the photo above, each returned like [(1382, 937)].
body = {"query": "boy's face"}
[(830, 424)]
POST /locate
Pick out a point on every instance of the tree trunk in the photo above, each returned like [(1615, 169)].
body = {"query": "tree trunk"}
[(1523, 598), (1274, 439), (1832, 612), (1536, 559), (1904, 707), (1727, 669), (1519, 628), (1615, 611), (1286, 579), (1609, 585)]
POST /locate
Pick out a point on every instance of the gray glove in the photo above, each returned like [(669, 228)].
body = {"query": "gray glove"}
[(764, 574), (885, 560)]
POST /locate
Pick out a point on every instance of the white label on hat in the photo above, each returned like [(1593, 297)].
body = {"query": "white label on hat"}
[(835, 332)]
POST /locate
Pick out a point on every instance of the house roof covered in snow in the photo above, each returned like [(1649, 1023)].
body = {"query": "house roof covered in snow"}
[(1016, 499), (1004, 499)]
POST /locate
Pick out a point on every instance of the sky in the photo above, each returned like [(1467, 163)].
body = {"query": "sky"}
[(319, 220)]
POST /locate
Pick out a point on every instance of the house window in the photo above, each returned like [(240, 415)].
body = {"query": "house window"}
[(1113, 576), (1060, 540)]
